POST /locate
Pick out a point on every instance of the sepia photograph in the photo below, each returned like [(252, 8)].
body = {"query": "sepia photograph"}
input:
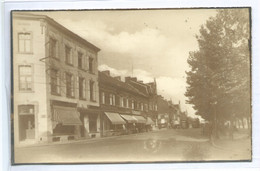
[(131, 86)]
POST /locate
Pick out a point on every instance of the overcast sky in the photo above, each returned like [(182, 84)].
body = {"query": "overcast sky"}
[(147, 44)]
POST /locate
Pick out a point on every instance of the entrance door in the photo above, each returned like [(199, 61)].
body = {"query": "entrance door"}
[(26, 122), (26, 127)]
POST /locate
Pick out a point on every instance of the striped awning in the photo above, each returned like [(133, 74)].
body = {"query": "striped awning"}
[(115, 118), (140, 119), (149, 121), (129, 118), (66, 115)]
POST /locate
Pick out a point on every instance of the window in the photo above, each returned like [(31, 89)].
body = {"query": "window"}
[(92, 124), (137, 106), (133, 104), (156, 108), (68, 55), (25, 77), (80, 60), (111, 99), (142, 107), (55, 81), (92, 89), (114, 100), (24, 42), (53, 48), (121, 102), (127, 103), (124, 102), (82, 88), (91, 67), (69, 85), (103, 97), (146, 107)]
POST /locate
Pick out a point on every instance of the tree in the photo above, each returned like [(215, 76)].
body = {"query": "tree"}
[(219, 76)]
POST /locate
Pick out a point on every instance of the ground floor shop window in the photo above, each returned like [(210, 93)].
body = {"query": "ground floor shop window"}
[(64, 130)]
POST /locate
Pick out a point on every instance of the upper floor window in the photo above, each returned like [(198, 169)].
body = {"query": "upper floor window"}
[(121, 102), (103, 98), (69, 85), (146, 107), (142, 107), (124, 102), (80, 60), (114, 100), (68, 55), (133, 104), (25, 77), (155, 107), (82, 88), (127, 103), (92, 90), (24, 42), (111, 99), (55, 81), (53, 48), (91, 65)]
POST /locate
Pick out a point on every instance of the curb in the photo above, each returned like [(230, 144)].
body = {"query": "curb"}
[(90, 140)]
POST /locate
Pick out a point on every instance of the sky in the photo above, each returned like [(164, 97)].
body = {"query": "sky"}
[(147, 44)]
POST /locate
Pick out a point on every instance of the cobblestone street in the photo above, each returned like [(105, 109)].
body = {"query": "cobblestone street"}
[(163, 145)]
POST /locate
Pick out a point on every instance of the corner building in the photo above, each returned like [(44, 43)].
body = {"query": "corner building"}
[(55, 82)]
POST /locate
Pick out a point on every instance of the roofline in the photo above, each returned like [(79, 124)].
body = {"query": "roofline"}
[(56, 24), (134, 89), (141, 84)]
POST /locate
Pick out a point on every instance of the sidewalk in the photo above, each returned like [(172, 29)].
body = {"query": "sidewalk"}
[(241, 142), (88, 140)]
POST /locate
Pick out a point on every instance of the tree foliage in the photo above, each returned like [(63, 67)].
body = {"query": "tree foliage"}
[(219, 78)]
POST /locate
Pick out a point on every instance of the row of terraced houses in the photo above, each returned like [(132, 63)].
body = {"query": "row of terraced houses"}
[(59, 94)]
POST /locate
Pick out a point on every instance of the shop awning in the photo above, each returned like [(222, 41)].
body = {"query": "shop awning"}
[(140, 119), (129, 118), (66, 115), (115, 118), (149, 121)]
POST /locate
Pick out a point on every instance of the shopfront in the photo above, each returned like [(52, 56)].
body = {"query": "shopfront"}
[(130, 123), (91, 123), (140, 125), (113, 124), (66, 123)]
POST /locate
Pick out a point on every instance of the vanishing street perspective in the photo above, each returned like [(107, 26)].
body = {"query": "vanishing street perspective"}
[(117, 86)]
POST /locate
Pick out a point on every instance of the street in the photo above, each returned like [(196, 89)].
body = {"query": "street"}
[(162, 145)]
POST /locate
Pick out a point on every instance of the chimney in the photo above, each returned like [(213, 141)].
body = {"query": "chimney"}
[(118, 78), (127, 79), (134, 79), (107, 72)]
